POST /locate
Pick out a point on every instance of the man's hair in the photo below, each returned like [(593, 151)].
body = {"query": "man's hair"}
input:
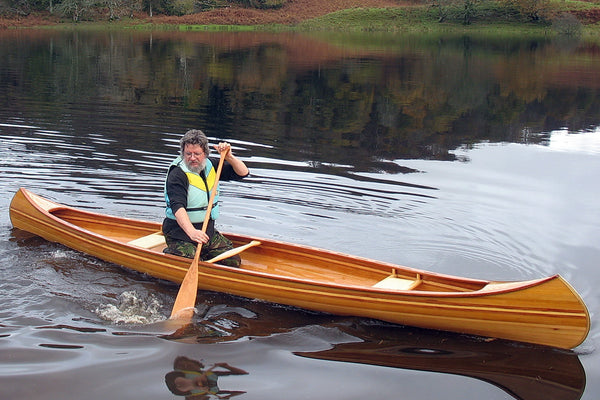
[(195, 136), (170, 381)]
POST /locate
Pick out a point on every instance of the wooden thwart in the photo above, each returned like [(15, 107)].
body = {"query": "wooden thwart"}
[(397, 283), (233, 252)]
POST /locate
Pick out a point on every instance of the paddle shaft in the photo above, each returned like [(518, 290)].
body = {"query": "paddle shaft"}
[(186, 297)]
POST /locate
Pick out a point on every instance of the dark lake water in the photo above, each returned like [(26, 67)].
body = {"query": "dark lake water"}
[(470, 157)]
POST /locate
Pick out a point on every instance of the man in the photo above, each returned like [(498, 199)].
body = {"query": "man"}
[(188, 186)]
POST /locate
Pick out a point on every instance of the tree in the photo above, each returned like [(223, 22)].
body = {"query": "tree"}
[(151, 5), (468, 11), (533, 10), (443, 8), (115, 8), (74, 9), (452, 9), (264, 4), (18, 7)]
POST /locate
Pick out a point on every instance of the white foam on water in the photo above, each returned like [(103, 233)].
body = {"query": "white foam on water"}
[(132, 308)]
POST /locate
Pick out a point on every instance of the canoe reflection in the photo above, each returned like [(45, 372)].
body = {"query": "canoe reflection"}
[(189, 378), (524, 371)]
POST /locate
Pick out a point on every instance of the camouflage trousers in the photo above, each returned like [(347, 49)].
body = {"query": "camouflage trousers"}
[(218, 244)]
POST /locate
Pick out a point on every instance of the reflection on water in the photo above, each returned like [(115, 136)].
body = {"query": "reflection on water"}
[(461, 156), (582, 142), (524, 372), (191, 379), (406, 99)]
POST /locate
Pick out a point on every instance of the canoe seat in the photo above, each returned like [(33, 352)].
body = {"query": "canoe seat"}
[(395, 282), (149, 241)]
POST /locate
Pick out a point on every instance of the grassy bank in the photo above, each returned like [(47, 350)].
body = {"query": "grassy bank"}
[(486, 18), (489, 18)]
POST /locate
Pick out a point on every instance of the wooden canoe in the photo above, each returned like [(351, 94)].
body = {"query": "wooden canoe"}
[(545, 311)]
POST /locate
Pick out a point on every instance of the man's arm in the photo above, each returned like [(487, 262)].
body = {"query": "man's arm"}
[(184, 222), (238, 165)]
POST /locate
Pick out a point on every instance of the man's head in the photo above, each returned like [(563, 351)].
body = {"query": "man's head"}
[(194, 136), (194, 150)]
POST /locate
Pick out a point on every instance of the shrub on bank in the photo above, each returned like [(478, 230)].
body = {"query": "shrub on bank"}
[(567, 24), (262, 4)]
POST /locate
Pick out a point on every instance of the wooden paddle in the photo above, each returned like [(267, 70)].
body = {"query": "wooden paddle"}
[(186, 298)]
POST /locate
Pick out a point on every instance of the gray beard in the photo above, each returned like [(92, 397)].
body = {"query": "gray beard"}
[(197, 169)]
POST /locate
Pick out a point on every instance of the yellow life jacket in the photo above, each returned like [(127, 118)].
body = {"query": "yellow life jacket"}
[(199, 188)]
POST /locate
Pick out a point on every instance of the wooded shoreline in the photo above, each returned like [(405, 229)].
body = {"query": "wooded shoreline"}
[(573, 18)]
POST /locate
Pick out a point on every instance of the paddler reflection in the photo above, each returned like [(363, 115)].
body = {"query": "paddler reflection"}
[(190, 379)]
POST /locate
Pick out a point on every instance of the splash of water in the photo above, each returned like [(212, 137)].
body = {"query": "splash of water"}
[(132, 308)]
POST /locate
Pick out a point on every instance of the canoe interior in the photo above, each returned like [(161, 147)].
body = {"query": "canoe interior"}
[(281, 259)]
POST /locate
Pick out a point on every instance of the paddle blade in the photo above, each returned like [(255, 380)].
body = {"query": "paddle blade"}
[(186, 298)]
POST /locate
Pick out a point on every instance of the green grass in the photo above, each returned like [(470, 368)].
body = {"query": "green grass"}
[(369, 19), (491, 19), (572, 5), (217, 28)]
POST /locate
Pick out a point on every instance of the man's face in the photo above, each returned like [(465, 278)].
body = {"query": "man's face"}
[(194, 157)]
